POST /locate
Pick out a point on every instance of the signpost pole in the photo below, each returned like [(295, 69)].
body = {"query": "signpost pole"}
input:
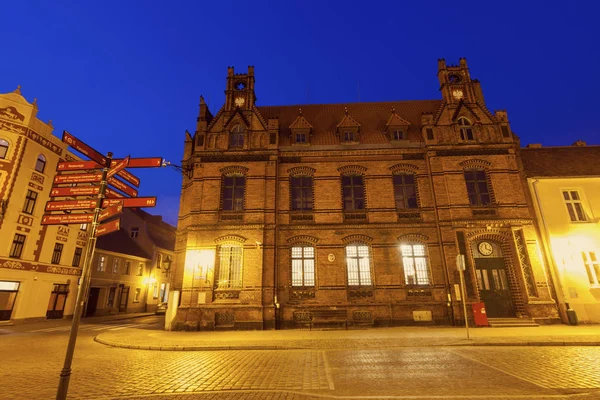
[(65, 373), (460, 264)]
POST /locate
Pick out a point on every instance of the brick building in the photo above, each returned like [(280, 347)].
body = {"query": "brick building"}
[(354, 213)]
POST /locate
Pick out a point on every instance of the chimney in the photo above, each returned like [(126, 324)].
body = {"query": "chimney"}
[(579, 143)]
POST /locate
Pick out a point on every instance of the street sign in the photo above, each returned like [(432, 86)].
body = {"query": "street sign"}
[(113, 194), (67, 219), (75, 191), (131, 202), (123, 187), (108, 227), (129, 177), (148, 162), (77, 165), (117, 167), (70, 205), (79, 178), (83, 148), (110, 212)]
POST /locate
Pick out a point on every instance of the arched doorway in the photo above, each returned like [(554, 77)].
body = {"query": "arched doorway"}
[(492, 279)]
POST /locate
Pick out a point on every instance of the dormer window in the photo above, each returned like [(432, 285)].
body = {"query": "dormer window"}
[(301, 137), (398, 134), (349, 136), (236, 137), (466, 129)]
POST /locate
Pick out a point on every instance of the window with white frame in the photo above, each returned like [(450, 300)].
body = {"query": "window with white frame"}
[(136, 295), (592, 267), (358, 264), (414, 260), (303, 266), (574, 205), (116, 266), (230, 267), (101, 261), (466, 129)]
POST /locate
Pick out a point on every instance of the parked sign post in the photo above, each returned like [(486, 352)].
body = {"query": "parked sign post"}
[(460, 265)]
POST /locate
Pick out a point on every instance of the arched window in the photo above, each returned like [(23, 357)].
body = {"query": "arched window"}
[(236, 137), (233, 192), (40, 163), (466, 129), (477, 187), (358, 263), (301, 188), (405, 191), (303, 266), (3, 148), (353, 191), (414, 262)]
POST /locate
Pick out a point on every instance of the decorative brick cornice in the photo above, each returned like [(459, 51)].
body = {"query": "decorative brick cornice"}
[(497, 235), (302, 171), (413, 237), (230, 238), (475, 163), (234, 169), (357, 239), (406, 168), (352, 169), (302, 239)]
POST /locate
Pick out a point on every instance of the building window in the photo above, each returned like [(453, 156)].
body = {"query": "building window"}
[(111, 297), (30, 200), (398, 134), (40, 163), (155, 291), (353, 192), (140, 269), (101, 261), (57, 253), (477, 188), (115, 266), (77, 256), (236, 137), (127, 267), (574, 205), (301, 137), (135, 231), (303, 266), (159, 260), (505, 131), (405, 191), (17, 246), (83, 227), (230, 267), (302, 193), (414, 260), (592, 267), (233, 192), (3, 148), (358, 264), (136, 295), (429, 132), (349, 136), (466, 130)]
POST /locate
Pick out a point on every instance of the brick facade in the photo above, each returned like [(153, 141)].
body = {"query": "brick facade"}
[(434, 142)]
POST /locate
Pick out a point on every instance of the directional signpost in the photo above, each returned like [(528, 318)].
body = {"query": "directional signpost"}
[(107, 171)]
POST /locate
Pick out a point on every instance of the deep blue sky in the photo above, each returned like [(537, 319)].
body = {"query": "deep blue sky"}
[(126, 75)]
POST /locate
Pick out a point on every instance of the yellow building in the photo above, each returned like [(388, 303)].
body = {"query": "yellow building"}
[(39, 265), (565, 187)]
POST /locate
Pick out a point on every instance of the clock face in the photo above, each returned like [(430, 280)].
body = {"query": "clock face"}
[(458, 94), (239, 101), (485, 248)]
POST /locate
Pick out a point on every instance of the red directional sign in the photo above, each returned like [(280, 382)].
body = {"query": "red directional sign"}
[(148, 162), (67, 219), (79, 178), (108, 227), (75, 191), (128, 190), (110, 212), (113, 194), (70, 205), (83, 148), (129, 177), (131, 202), (117, 167), (77, 165)]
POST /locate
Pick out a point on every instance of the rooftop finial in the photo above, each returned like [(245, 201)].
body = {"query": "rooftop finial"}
[(345, 110), (300, 111), (18, 89), (393, 110)]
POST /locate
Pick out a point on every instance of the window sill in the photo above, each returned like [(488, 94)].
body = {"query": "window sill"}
[(231, 216), (355, 216), (302, 216), (484, 211), (406, 214)]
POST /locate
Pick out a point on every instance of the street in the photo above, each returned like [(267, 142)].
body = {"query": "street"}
[(33, 355)]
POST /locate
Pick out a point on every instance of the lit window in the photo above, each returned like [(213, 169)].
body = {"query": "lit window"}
[(101, 261), (574, 205), (77, 257), (302, 193), (164, 292), (155, 291), (466, 130), (140, 269), (405, 191), (3, 148), (30, 200), (353, 192), (127, 267), (233, 192), (159, 260), (57, 253), (359, 265), (136, 295), (115, 266), (592, 267), (230, 267), (236, 137), (477, 188), (414, 260), (303, 266), (83, 227), (135, 231), (17, 246), (40, 163)]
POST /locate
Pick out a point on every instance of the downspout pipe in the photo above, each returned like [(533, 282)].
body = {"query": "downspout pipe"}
[(275, 241)]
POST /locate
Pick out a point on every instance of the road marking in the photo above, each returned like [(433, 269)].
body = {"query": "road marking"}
[(122, 327), (328, 371), (60, 328)]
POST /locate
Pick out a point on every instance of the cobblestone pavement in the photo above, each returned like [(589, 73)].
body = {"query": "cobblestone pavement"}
[(31, 363)]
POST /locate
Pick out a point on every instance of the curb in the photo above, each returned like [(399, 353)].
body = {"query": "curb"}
[(221, 348)]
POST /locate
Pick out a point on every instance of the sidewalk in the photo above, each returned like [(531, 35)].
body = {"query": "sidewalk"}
[(553, 335)]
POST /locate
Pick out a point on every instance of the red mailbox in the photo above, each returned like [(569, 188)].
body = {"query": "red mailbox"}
[(479, 314)]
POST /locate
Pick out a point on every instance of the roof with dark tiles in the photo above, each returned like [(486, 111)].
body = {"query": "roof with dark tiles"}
[(567, 161), (120, 242), (372, 118), (160, 232)]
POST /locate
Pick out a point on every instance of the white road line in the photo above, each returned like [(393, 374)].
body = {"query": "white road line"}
[(122, 327), (60, 328)]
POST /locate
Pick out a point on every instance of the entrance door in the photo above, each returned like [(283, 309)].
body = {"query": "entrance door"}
[(58, 298), (123, 298), (8, 295), (493, 287), (92, 303)]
